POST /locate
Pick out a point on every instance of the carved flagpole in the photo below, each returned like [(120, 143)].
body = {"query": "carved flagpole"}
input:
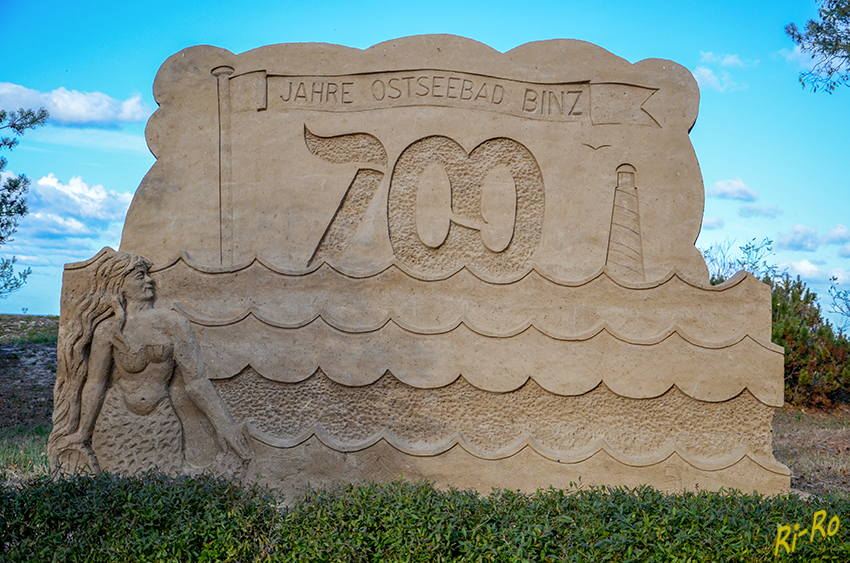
[(225, 172)]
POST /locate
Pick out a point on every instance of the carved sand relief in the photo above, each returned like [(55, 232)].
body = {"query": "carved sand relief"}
[(494, 425), (558, 308), (600, 103), (225, 167), (493, 196), (625, 250), (432, 259), (491, 361), (499, 176), (343, 149), (119, 358)]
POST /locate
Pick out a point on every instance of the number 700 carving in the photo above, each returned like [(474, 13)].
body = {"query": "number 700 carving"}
[(446, 208)]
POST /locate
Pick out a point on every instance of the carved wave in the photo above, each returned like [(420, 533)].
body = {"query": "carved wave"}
[(528, 442), (287, 299), (353, 273), (330, 321), (634, 368), (495, 426)]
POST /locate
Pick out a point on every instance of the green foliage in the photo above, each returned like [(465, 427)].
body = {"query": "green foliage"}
[(13, 203), (41, 335), (11, 281), (828, 41), (817, 357), (152, 518), (108, 518)]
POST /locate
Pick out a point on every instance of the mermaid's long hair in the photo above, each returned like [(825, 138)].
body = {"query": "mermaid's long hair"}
[(100, 300)]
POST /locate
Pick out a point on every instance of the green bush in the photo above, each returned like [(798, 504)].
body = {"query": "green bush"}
[(153, 518), (413, 522), (817, 357)]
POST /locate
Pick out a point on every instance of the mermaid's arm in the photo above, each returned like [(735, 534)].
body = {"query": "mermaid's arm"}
[(190, 362)]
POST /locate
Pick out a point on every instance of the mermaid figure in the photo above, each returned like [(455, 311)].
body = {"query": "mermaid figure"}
[(117, 359)]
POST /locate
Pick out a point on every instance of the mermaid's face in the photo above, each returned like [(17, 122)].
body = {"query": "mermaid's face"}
[(138, 285)]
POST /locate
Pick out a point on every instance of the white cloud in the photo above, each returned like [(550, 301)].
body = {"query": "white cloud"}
[(839, 234), (74, 248), (71, 107), (706, 78), (68, 221), (751, 210), (806, 270), (724, 59), (797, 58), (800, 237), (713, 223), (814, 273), (51, 225), (844, 251), (733, 189), (78, 198), (722, 82)]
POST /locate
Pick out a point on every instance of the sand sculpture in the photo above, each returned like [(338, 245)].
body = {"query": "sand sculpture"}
[(435, 260), (123, 368)]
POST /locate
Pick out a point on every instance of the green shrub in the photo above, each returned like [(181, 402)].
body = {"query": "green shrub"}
[(414, 522), (108, 518), (817, 357), (152, 518), (29, 329)]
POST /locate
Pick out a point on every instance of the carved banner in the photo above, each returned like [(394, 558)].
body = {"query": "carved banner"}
[(599, 103)]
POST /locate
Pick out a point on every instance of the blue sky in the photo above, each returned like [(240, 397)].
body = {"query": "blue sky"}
[(772, 154)]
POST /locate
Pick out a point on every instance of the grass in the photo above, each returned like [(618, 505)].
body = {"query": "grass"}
[(155, 518), (27, 367), (23, 453), (45, 335), (28, 329)]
